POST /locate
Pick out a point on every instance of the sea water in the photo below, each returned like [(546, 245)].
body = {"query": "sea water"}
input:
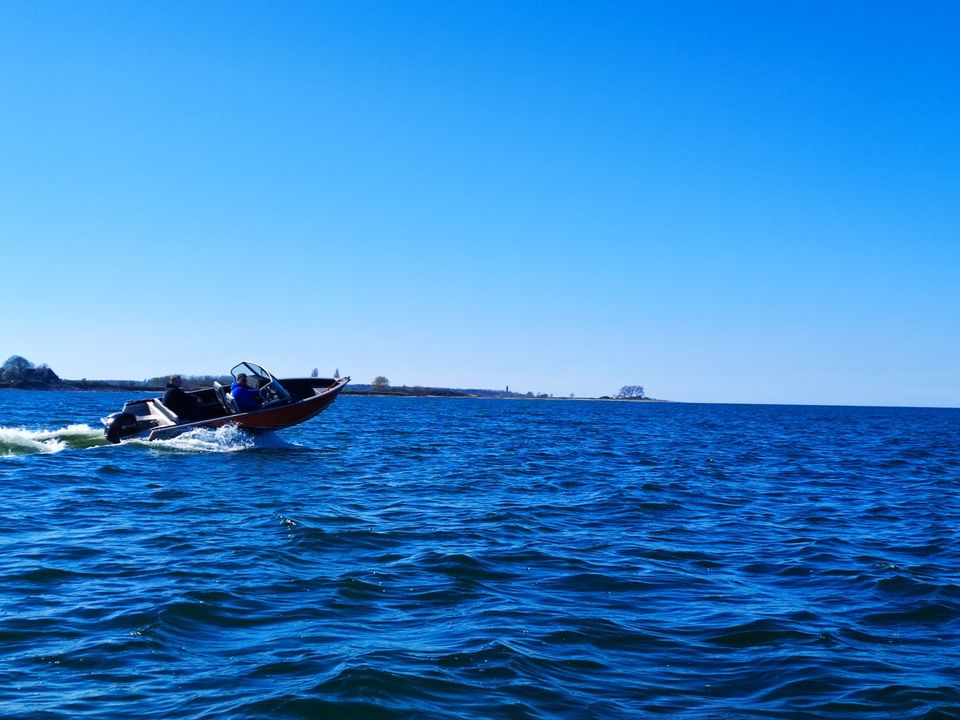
[(462, 558)]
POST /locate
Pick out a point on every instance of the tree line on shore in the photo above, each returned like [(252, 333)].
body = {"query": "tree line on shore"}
[(17, 371)]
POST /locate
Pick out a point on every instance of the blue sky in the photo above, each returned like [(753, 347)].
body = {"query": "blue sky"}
[(751, 202)]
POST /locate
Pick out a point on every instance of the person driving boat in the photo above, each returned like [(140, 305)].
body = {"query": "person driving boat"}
[(247, 398)]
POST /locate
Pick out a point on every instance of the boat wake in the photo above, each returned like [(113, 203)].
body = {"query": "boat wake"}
[(229, 438), (21, 441)]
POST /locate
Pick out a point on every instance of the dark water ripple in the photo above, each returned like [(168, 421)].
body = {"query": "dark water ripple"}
[(428, 558)]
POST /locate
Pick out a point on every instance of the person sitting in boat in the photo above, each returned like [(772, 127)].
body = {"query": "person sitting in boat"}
[(185, 406), (247, 398)]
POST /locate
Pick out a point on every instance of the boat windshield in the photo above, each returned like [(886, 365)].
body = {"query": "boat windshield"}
[(257, 375), (262, 380)]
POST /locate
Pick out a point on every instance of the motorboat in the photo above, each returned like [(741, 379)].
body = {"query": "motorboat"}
[(284, 403)]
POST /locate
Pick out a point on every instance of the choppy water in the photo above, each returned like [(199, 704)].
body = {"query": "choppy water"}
[(446, 558)]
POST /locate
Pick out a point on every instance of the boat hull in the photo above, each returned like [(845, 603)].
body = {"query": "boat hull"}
[(263, 420)]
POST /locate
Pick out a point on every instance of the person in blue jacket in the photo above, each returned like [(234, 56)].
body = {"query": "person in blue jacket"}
[(247, 398)]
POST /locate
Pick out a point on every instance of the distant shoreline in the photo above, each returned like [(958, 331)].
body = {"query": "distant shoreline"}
[(81, 385), (362, 390)]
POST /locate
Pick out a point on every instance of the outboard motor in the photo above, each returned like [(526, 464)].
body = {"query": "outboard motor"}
[(119, 425)]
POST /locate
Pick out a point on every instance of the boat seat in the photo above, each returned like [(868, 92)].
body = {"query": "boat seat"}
[(226, 399), (163, 411), (231, 401)]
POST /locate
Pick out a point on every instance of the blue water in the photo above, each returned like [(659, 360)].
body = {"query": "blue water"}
[(451, 558)]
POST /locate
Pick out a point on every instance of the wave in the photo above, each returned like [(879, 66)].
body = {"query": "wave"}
[(21, 441)]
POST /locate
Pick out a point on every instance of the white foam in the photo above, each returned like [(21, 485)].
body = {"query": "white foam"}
[(21, 441), (228, 438)]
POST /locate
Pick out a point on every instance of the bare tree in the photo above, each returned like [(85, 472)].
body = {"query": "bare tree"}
[(630, 391), (15, 368)]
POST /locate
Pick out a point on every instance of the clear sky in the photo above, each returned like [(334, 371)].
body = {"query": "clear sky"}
[(723, 202)]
